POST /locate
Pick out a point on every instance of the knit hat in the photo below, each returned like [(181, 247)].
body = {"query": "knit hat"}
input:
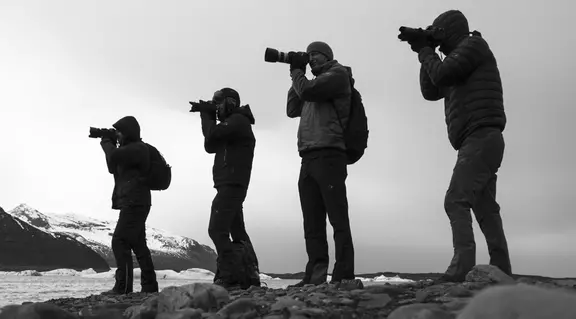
[(228, 92), (321, 47)]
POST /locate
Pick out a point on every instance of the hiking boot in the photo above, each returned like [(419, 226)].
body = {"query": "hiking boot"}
[(227, 285), (303, 283), (299, 284), (114, 292), (348, 284), (149, 288)]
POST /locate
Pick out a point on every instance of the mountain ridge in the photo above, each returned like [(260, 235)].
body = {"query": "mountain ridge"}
[(25, 246), (169, 251)]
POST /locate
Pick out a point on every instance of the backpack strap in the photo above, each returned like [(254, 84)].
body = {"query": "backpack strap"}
[(350, 111)]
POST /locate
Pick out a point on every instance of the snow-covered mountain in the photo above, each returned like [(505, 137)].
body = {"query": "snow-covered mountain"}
[(25, 247), (169, 251)]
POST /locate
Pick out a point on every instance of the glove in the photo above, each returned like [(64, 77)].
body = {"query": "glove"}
[(298, 60), (419, 44), (112, 140)]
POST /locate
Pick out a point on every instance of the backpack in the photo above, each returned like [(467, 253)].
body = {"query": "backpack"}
[(160, 173), (356, 133), (246, 270)]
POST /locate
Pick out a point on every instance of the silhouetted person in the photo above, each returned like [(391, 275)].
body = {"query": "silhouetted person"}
[(322, 180), (469, 82), (128, 162), (232, 141)]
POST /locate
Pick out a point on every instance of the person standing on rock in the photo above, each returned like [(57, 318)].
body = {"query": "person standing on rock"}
[(469, 81), (323, 172), (233, 142), (127, 158)]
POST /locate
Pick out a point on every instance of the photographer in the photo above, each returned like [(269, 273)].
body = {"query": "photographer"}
[(232, 141), (128, 162), (469, 81), (323, 105)]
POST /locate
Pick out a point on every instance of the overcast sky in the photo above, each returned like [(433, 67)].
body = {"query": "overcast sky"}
[(69, 65)]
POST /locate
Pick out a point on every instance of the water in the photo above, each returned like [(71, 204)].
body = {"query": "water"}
[(18, 289)]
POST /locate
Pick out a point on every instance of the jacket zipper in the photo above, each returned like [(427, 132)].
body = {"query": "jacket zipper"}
[(225, 152)]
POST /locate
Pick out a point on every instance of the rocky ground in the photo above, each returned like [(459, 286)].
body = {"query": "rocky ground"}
[(487, 293)]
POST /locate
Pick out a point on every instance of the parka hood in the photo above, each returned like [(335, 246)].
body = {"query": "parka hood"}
[(455, 27), (246, 111), (129, 127)]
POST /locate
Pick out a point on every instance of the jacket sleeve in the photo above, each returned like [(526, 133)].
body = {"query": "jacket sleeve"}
[(324, 87), (224, 131), (429, 91), (129, 155), (294, 105), (457, 66), (108, 147)]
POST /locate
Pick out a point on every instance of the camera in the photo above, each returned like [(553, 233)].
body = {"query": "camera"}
[(434, 35), (203, 106), (102, 132), (273, 56)]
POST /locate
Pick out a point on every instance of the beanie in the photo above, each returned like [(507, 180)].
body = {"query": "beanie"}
[(228, 92), (321, 47)]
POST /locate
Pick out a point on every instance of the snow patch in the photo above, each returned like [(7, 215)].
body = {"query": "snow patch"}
[(266, 277)]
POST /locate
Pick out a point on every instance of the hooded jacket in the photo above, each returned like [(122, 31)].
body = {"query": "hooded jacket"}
[(468, 79), (127, 163), (314, 101), (233, 142)]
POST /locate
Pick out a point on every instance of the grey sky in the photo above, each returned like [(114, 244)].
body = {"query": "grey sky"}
[(68, 65)]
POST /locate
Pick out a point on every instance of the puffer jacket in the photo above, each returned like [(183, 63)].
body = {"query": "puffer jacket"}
[(233, 142), (314, 100), (127, 163), (468, 79)]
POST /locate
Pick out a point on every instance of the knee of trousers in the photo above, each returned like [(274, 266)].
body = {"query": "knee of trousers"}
[(458, 200), (116, 240), (217, 234)]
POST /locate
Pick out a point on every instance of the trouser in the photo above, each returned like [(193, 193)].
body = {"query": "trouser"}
[(227, 219), (130, 235), (322, 189), (473, 186)]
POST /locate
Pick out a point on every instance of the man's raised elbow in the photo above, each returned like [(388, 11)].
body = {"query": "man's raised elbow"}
[(292, 114), (431, 96)]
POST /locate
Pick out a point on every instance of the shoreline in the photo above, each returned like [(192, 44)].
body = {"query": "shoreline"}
[(288, 276), (411, 276)]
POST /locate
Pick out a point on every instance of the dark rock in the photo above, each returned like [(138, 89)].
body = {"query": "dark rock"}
[(26, 247), (523, 301), (488, 274), (35, 311), (458, 291), (188, 313), (420, 311), (375, 301), (424, 301)]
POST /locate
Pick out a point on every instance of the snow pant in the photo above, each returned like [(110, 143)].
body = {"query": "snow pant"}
[(227, 219), (473, 186), (130, 235), (322, 190)]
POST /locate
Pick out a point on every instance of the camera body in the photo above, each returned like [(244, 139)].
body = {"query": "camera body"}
[(102, 132), (433, 35), (274, 56), (203, 106)]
